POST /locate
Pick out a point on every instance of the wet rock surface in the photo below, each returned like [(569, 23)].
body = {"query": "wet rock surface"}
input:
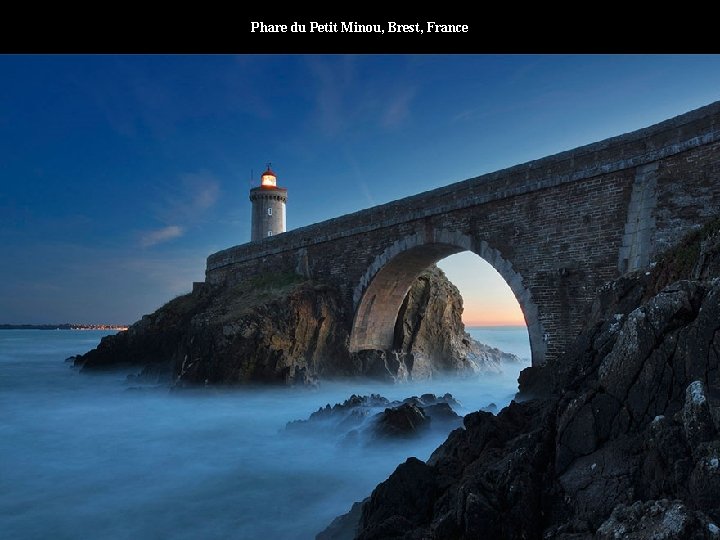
[(619, 438)]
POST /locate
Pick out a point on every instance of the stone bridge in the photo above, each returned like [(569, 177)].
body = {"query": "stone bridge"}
[(556, 229)]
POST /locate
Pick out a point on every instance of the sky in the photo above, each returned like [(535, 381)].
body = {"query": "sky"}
[(119, 175)]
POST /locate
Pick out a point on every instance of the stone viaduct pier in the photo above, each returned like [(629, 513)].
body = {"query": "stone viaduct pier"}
[(556, 229)]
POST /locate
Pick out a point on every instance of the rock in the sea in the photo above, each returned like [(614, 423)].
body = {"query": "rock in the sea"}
[(284, 329), (407, 420), (441, 412), (342, 417), (370, 418), (487, 359), (430, 333), (430, 337)]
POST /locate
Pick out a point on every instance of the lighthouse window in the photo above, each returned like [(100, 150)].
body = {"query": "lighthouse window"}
[(269, 233), (269, 211)]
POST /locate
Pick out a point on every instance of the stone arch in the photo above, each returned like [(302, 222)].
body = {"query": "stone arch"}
[(381, 290)]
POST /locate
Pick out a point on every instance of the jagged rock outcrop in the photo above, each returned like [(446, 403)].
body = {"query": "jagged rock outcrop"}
[(282, 329), (366, 419), (656, 520), (487, 359), (430, 337), (431, 308), (621, 438)]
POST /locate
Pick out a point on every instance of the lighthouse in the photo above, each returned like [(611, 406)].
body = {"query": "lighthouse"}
[(268, 207)]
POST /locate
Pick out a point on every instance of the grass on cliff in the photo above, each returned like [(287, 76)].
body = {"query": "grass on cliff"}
[(182, 304), (262, 288), (253, 291), (680, 261), (229, 302)]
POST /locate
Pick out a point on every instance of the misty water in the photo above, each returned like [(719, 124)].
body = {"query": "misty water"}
[(88, 456)]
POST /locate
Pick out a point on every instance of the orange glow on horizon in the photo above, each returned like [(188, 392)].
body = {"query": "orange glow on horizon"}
[(487, 298), (499, 316)]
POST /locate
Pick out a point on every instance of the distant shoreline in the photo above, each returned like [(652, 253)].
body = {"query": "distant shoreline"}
[(65, 326)]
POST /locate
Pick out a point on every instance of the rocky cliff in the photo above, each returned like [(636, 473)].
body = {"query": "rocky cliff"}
[(283, 329), (619, 438)]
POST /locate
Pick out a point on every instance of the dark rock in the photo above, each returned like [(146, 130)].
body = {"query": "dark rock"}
[(596, 483), (342, 416), (407, 496), (704, 483), (343, 527), (442, 412), (490, 407), (364, 419), (618, 438), (697, 419), (407, 420), (656, 520), (666, 464)]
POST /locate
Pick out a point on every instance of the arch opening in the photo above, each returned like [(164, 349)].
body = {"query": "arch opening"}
[(491, 313), (380, 293)]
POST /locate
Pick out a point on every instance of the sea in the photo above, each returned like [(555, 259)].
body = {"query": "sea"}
[(96, 456)]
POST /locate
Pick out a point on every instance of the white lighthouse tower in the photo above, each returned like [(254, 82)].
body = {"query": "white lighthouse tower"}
[(268, 207)]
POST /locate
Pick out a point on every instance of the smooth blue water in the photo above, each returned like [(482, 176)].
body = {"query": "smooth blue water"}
[(85, 456), (512, 339)]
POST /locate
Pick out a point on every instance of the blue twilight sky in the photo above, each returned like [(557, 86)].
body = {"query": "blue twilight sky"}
[(120, 174)]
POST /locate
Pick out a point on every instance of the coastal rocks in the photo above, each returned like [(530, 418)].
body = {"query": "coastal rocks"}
[(619, 438), (383, 365), (343, 527), (291, 334), (697, 420), (657, 520), (371, 418), (278, 329), (404, 421), (342, 417), (430, 332), (404, 502), (438, 500), (430, 338), (283, 329), (487, 359)]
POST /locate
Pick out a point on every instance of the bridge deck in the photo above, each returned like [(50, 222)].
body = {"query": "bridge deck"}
[(679, 134)]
